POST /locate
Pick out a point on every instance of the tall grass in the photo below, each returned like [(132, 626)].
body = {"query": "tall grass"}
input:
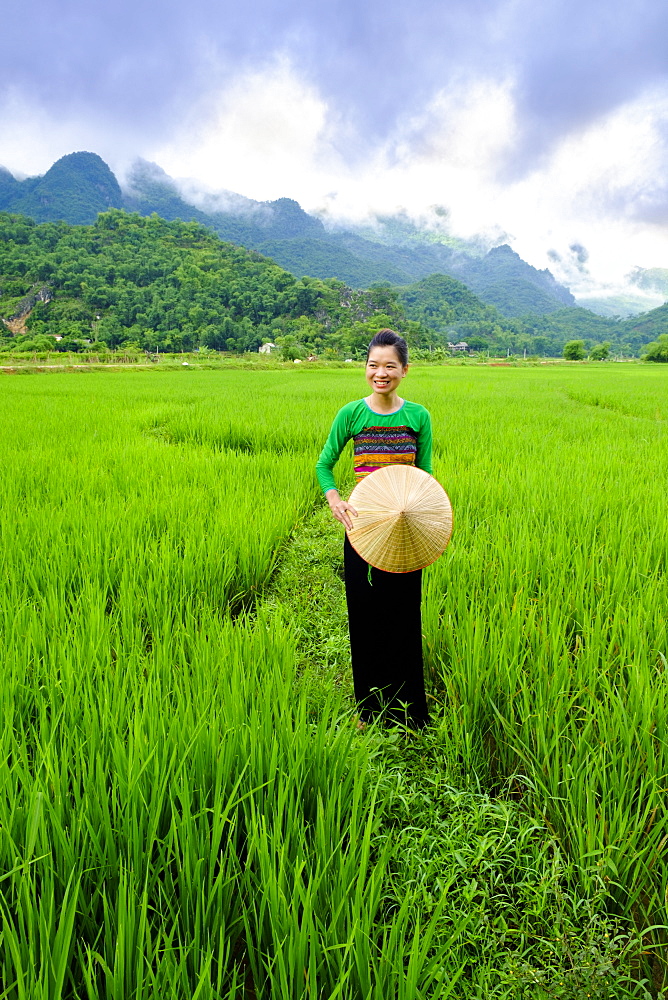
[(546, 620), (175, 821)]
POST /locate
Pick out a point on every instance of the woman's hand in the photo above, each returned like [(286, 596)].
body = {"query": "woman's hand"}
[(341, 509)]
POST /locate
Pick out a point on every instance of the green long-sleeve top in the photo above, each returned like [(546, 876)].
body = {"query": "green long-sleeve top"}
[(379, 439)]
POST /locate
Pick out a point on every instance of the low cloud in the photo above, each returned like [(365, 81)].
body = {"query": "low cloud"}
[(560, 147), (583, 212)]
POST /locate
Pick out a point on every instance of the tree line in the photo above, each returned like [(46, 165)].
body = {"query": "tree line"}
[(130, 281)]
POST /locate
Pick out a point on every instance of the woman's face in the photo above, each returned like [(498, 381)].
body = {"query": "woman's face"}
[(384, 370)]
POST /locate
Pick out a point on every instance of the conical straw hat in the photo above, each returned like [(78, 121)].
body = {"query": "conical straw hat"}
[(404, 519)]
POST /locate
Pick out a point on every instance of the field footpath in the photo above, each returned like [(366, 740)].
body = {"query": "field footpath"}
[(508, 882)]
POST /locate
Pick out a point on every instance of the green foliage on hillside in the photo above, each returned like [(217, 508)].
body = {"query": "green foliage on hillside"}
[(159, 284), (8, 188), (76, 189), (394, 250), (130, 280), (440, 302), (172, 286), (516, 288), (569, 324), (322, 259), (649, 326), (629, 335)]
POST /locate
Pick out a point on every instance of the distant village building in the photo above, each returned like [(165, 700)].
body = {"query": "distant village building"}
[(266, 348), (461, 346)]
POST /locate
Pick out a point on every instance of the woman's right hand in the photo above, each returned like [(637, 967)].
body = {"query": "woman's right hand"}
[(341, 509)]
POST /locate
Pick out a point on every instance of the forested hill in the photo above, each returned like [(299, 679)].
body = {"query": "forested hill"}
[(172, 286), (75, 189), (133, 280), (395, 250)]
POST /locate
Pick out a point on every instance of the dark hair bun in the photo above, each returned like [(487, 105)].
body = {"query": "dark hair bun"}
[(388, 338)]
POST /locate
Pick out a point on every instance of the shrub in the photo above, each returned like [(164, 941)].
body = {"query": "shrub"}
[(657, 350), (574, 350), (600, 352)]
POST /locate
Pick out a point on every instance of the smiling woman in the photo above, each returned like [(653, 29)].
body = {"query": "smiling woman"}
[(384, 618)]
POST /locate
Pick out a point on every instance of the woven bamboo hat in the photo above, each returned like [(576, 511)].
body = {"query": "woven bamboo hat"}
[(404, 519)]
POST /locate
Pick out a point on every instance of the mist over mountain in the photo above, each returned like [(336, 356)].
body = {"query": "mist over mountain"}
[(395, 251)]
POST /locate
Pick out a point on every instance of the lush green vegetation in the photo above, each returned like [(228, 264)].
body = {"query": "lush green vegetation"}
[(504, 280), (76, 188), (574, 350), (324, 259), (167, 286), (658, 349), (517, 309), (446, 305), (80, 185), (134, 282), (187, 809)]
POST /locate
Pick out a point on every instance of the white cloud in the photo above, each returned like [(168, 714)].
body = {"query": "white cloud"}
[(271, 133), (265, 136), (32, 139), (593, 191)]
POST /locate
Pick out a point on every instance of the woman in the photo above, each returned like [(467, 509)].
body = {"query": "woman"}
[(383, 608)]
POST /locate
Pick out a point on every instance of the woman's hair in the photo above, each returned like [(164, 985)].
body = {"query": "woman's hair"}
[(388, 338)]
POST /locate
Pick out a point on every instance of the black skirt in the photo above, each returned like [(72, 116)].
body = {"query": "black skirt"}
[(385, 626)]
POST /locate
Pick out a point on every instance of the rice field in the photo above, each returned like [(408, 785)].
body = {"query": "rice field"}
[(186, 808)]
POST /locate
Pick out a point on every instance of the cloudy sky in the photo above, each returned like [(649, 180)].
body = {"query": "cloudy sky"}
[(541, 122)]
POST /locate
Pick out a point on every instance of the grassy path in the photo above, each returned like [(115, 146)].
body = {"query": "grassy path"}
[(517, 921)]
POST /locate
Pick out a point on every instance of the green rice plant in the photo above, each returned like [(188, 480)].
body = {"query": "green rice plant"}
[(175, 817), (546, 618)]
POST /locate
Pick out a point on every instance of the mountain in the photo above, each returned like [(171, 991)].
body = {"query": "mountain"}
[(278, 229), (499, 277), (440, 302), (641, 330), (9, 187), (76, 189), (393, 250), (618, 306), (323, 258), (149, 189), (235, 218), (502, 279)]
